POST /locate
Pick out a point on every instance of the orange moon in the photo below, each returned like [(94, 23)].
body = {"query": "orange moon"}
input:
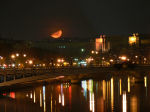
[(57, 34)]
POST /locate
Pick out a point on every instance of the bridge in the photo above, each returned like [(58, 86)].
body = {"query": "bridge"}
[(17, 76)]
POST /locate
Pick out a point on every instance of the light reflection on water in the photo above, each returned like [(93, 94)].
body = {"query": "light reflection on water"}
[(113, 94)]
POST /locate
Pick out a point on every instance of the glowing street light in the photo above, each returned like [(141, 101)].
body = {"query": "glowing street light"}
[(17, 54), (96, 52), (30, 62), (82, 50), (60, 60), (123, 58), (1, 58), (24, 55), (13, 65), (92, 52), (111, 60), (13, 56)]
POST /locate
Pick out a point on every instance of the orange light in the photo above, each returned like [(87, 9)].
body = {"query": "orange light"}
[(92, 52), (12, 56), (123, 58), (111, 60), (30, 62), (133, 39), (57, 34), (24, 55), (58, 60), (12, 95)]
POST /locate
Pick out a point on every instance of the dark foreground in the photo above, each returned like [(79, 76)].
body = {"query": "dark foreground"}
[(124, 93)]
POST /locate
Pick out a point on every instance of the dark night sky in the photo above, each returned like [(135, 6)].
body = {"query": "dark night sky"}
[(36, 19)]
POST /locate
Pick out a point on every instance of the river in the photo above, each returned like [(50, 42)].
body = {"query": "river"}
[(113, 93)]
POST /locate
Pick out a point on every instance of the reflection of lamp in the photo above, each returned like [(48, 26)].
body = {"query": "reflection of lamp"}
[(124, 102)]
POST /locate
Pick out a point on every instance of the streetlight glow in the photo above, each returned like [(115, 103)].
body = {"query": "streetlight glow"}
[(123, 58), (30, 62), (17, 54), (24, 55), (13, 56)]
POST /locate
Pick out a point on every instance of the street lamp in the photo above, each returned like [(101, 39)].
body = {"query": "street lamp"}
[(13, 56), (24, 55), (123, 58), (17, 54), (30, 62)]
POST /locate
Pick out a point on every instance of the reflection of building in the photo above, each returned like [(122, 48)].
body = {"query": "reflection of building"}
[(102, 44)]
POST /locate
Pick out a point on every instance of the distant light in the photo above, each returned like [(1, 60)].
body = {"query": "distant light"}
[(24, 55), (30, 62), (17, 54), (13, 65), (60, 60), (123, 58), (4, 65), (65, 63), (89, 59), (83, 63), (13, 56), (82, 50), (1, 57), (76, 59), (111, 60), (136, 56), (92, 52)]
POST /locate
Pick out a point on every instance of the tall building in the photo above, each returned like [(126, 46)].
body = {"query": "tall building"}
[(102, 44)]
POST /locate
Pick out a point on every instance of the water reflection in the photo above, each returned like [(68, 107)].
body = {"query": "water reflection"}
[(44, 100), (40, 98), (145, 81), (113, 94), (133, 104), (124, 102), (120, 86), (128, 84)]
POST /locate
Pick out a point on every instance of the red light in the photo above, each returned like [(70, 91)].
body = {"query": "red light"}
[(12, 95)]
